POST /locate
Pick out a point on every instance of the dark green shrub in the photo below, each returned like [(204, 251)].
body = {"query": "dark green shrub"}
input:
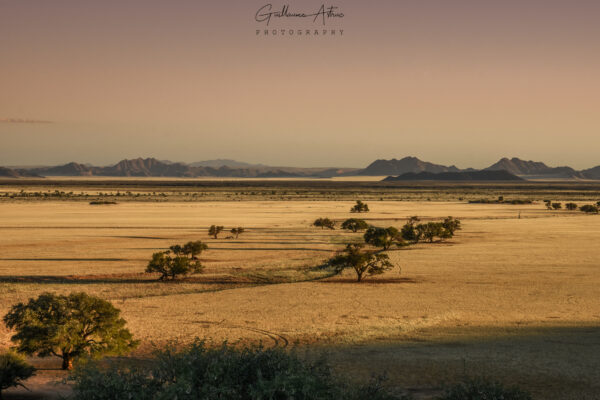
[(355, 225), (383, 237), (589, 209), (478, 389), (13, 370), (557, 206), (197, 372), (359, 207), (324, 223), (571, 206)]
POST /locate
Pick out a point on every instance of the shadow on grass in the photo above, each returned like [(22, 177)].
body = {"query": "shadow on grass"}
[(367, 281), (88, 280)]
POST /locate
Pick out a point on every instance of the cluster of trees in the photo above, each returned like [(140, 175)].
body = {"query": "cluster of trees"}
[(215, 230), (324, 223), (367, 262), (178, 260), (588, 208)]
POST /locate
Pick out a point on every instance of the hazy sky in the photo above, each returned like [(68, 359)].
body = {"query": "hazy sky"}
[(450, 81)]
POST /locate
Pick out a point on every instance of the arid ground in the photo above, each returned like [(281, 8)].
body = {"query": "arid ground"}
[(513, 296)]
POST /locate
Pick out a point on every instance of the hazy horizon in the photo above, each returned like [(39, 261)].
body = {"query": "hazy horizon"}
[(463, 82)]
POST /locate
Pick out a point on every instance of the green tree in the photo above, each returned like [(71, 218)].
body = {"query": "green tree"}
[(355, 225), (431, 230), (237, 231), (571, 206), (362, 262), (359, 207), (556, 206), (193, 249), (69, 327), (13, 370), (214, 230), (590, 209), (548, 204), (383, 237), (451, 225), (170, 267), (324, 223)]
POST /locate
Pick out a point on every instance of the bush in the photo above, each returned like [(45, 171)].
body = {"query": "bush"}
[(556, 206), (13, 370), (197, 372), (589, 209), (324, 223), (68, 327), (359, 207), (383, 237), (478, 389), (571, 206), (355, 225)]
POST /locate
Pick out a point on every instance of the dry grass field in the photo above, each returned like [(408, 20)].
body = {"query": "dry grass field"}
[(513, 296)]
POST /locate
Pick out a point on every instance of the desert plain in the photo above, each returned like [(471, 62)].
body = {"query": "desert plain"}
[(514, 296)]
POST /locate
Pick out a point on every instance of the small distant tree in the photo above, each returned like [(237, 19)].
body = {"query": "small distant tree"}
[(590, 209), (362, 262), (383, 237), (13, 370), (355, 225), (214, 230), (548, 204), (556, 206), (324, 223), (359, 207), (69, 327), (237, 231), (571, 206), (598, 204)]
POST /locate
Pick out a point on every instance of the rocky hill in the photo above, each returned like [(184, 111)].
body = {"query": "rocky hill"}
[(533, 169), (456, 176), (404, 165)]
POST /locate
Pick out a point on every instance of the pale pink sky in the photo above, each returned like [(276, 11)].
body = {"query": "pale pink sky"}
[(451, 81)]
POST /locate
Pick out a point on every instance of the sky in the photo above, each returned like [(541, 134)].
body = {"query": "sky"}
[(461, 82)]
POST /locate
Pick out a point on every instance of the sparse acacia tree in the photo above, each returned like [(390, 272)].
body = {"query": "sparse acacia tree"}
[(362, 262), (355, 225), (13, 370), (69, 327), (383, 237), (571, 206), (171, 266), (324, 223), (193, 249), (214, 230), (359, 207), (451, 225), (237, 231)]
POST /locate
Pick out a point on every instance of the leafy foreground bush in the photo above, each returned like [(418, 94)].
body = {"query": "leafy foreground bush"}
[(13, 370), (197, 372), (478, 389)]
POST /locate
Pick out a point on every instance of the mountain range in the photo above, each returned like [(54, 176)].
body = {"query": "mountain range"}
[(152, 167)]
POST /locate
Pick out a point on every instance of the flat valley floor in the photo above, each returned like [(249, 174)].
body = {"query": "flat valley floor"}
[(514, 296)]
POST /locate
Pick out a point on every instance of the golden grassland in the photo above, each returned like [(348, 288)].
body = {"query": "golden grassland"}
[(514, 295)]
